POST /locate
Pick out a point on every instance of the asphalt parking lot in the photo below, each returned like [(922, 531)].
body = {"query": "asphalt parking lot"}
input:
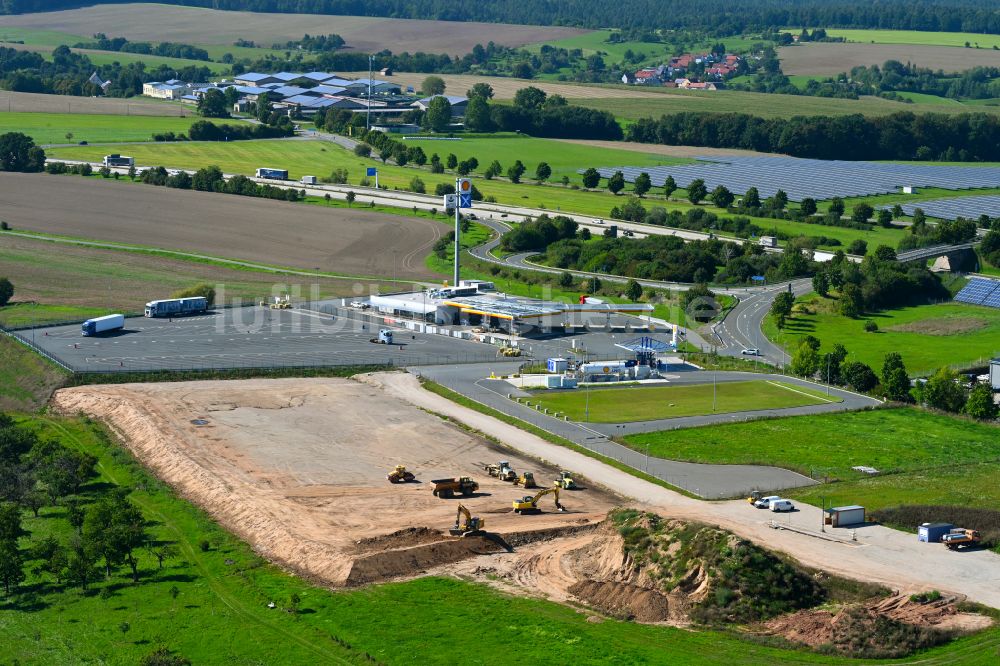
[(252, 337)]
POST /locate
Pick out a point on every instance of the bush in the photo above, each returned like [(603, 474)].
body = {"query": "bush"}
[(417, 185), (362, 150), (203, 289), (871, 326), (6, 291)]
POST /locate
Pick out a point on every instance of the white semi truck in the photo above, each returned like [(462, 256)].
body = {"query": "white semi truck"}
[(98, 325)]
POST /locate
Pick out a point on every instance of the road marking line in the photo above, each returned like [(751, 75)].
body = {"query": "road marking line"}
[(789, 388)]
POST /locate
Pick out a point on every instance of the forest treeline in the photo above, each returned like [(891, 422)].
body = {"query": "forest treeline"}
[(966, 137), (722, 17)]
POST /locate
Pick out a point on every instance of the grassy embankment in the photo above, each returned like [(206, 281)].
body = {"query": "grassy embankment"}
[(927, 336), (625, 404), (925, 458)]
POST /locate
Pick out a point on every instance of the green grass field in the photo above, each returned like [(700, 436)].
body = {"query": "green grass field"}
[(53, 127), (828, 445), (927, 336), (26, 379), (917, 37), (760, 104), (645, 403), (220, 612)]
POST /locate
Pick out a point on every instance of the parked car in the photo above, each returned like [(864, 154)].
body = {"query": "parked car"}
[(752, 351), (765, 502), (360, 305), (781, 505), (83, 143)]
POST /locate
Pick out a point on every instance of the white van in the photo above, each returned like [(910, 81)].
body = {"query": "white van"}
[(765, 502), (782, 505)]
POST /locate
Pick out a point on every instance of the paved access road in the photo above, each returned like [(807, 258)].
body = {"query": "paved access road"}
[(250, 337), (742, 327), (710, 481), (871, 552)]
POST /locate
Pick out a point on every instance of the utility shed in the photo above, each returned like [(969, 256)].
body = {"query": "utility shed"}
[(932, 532), (843, 516)]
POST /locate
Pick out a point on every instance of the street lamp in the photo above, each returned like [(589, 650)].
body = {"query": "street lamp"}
[(368, 112)]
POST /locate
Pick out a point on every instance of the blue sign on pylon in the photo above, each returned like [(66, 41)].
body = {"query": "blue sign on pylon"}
[(464, 193), (371, 171)]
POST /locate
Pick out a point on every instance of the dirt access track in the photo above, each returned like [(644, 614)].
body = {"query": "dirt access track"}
[(157, 23), (297, 468), (335, 240)]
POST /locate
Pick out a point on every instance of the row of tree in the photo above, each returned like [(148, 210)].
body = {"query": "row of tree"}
[(727, 17), (69, 73), (166, 49), (899, 136)]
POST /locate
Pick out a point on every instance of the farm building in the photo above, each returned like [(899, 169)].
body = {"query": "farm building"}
[(458, 104)]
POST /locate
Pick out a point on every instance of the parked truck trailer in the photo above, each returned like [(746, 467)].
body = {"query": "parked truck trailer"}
[(98, 325), (116, 160), (273, 174), (176, 306)]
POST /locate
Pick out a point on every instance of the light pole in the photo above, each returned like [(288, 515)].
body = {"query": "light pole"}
[(715, 374), (368, 112)]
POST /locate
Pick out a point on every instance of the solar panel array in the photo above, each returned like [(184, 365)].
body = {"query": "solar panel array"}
[(818, 179), (980, 291), (950, 209)]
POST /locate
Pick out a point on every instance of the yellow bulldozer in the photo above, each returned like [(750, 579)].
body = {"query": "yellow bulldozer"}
[(527, 480), (509, 351), (529, 503), (466, 524), (400, 475)]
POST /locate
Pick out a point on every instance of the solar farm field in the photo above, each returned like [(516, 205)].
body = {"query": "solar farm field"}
[(952, 208), (928, 336), (819, 179)]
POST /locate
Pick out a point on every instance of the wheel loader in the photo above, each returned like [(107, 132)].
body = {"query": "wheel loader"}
[(400, 475), (565, 481), (502, 470)]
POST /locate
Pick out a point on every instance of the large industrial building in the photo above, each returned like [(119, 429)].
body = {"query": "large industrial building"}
[(477, 303)]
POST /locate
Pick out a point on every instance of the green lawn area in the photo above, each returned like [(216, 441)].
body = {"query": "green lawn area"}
[(923, 98), (220, 613), (26, 379), (760, 104), (828, 445), (927, 336), (916, 37), (647, 403), (53, 127)]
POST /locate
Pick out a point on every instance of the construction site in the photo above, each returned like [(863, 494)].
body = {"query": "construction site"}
[(349, 482)]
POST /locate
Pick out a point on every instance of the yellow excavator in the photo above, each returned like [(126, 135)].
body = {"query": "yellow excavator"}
[(529, 504), (466, 524)]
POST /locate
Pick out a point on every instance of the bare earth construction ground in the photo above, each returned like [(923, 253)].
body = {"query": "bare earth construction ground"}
[(830, 59), (338, 240), (151, 22), (297, 468)]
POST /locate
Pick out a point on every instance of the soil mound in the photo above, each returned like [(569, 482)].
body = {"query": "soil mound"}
[(630, 602), (388, 564)]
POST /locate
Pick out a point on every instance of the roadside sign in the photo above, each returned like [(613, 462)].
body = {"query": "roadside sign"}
[(451, 201), (464, 193), (757, 278), (371, 171)]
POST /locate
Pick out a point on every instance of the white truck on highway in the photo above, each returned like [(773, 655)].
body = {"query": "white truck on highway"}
[(116, 160), (113, 322)]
